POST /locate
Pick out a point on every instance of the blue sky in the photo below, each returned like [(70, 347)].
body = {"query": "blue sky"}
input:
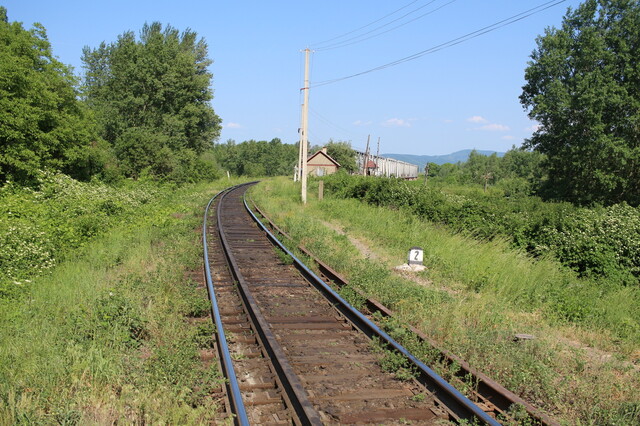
[(465, 96)]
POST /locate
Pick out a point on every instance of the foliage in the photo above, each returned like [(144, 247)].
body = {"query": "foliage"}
[(518, 172), (599, 242), (474, 296), (42, 124), (38, 228), (104, 338), (343, 153), (151, 99), (583, 87), (257, 158)]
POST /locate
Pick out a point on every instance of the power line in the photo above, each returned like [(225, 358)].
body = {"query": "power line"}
[(511, 20), (365, 26), (328, 122), (358, 39)]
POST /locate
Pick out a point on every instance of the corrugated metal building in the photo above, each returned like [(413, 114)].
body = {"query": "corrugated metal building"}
[(388, 167)]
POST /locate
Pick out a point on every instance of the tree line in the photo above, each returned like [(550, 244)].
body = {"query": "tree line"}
[(274, 158), (141, 108)]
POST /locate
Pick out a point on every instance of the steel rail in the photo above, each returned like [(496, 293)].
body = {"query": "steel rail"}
[(453, 399), (233, 387), (290, 381)]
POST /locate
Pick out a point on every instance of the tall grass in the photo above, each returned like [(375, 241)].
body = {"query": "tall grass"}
[(475, 295), (103, 337)]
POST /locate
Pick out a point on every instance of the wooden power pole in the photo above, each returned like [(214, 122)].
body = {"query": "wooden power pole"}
[(366, 156)]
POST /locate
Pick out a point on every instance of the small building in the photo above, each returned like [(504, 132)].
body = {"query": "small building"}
[(321, 164), (371, 168)]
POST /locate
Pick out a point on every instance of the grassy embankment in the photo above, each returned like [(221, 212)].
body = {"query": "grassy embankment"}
[(97, 319), (476, 295)]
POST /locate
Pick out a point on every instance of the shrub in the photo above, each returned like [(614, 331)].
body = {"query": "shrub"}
[(596, 242), (39, 227)]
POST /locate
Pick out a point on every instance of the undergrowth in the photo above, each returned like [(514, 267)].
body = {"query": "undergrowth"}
[(597, 242), (475, 295), (104, 336)]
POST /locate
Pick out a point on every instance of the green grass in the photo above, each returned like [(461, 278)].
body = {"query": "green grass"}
[(476, 295), (105, 335)]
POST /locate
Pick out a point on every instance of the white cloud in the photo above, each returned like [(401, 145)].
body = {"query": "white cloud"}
[(477, 119), (361, 123), (508, 137), (447, 121), (396, 122), (494, 127), (233, 125), (532, 128)]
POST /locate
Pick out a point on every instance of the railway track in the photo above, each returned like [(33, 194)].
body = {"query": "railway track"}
[(294, 352), (491, 396)]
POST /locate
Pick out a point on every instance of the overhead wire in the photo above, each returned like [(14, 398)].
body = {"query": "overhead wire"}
[(358, 39), (328, 122), (365, 26), (469, 36)]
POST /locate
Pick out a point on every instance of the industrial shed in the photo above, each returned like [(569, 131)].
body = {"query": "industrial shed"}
[(321, 164), (383, 166)]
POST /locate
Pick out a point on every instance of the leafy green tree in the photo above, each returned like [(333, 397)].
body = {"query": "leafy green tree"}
[(151, 97), (343, 153), (257, 158), (523, 163), (583, 87), (482, 169), (42, 124)]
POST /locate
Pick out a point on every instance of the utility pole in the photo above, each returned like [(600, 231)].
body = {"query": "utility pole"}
[(366, 156), (377, 172), (426, 174), (303, 132)]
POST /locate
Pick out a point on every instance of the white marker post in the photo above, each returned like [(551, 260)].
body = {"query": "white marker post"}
[(414, 263), (416, 256)]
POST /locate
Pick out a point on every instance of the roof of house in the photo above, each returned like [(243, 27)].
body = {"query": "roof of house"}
[(324, 154)]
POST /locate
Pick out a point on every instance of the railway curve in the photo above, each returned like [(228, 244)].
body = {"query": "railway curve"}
[(293, 351)]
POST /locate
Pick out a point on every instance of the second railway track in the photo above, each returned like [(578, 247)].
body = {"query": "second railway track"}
[(293, 351)]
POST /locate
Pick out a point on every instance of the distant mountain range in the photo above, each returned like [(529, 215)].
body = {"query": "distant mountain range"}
[(422, 160)]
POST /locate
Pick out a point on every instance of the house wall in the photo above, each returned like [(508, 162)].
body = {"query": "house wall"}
[(320, 162)]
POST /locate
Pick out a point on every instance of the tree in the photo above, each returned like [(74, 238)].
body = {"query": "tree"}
[(42, 124), (343, 153), (481, 168), (257, 158), (583, 87), (151, 98)]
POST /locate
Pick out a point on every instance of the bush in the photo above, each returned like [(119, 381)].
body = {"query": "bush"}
[(39, 227), (597, 242)]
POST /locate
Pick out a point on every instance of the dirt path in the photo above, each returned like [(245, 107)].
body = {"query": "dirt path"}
[(364, 247)]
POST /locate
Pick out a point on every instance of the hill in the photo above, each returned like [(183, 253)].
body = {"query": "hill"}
[(422, 160)]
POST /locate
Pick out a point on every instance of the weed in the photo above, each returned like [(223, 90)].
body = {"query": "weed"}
[(285, 258), (102, 338), (197, 303), (203, 335), (419, 397), (394, 362)]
